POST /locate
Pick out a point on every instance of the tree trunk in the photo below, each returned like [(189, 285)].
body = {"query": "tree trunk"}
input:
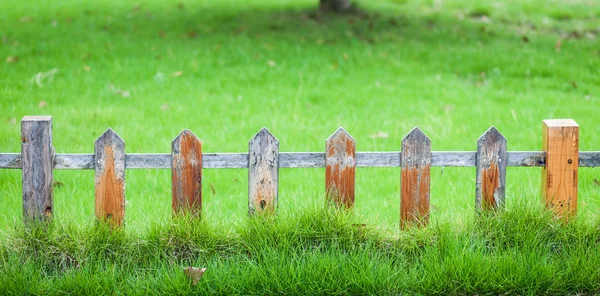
[(335, 5)]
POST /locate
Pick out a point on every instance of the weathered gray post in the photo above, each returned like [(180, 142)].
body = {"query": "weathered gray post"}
[(37, 161)]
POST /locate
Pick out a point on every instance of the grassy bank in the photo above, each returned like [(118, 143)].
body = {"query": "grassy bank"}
[(310, 251)]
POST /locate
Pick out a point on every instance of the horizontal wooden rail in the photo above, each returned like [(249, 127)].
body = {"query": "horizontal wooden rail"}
[(297, 160)]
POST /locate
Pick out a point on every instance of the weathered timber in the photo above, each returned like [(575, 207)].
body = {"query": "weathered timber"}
[(490, 170), (37, 158), (298, 160), (186, 174), (560, 140), (415, 180), (109, 152), (263, 173), (340, 168)]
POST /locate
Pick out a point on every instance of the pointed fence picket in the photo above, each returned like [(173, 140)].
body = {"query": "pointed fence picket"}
[(560, 161), (109, 153)]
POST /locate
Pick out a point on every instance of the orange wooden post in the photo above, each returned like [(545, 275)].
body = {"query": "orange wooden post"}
[(186, 174), (491, 159), (416, 163), (560, 141), (340, 168), (109, 161)]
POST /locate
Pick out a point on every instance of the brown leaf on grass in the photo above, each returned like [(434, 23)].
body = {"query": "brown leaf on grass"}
[(178, 73), (137, 8), (118, 91), (558, 45), (378, 135), (57, 184), (86, 68), (574, 84), (25, 19), (271, 63), (180, 5), (212, 188), (596, 182), (194, 274), (164, 107), (12, 59), (12, 121), (192, 34), (43, 104)]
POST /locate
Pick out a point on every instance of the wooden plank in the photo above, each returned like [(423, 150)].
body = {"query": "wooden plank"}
[(560, 140), (340, 170), (263, 173), (415, 180), (109, 153), (37, 158), (186, 174), (298, 160), (490, 170)]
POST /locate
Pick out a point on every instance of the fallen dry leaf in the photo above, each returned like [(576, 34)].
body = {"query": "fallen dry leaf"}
[(178, 73), (378, 135), (596, 182), (212, 188), (43, 77), (12, 59), (271, 63), (194, 274), (164, 107), (43, 104), (12, 121), (574, 84), (25, 19), (118, 91), (558, 45), (86, 68), (345, 56)]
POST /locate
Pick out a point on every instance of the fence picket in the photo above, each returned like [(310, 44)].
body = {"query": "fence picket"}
[(109, 160), (37, 160), (490, 170), (560, 141), (263, 173), (340, 168), (186, 174), (415, 162)]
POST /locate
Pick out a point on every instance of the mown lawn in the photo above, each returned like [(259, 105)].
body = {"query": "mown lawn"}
[(225, 69)]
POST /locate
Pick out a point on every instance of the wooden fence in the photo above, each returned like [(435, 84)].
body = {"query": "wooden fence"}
[(560, 160)]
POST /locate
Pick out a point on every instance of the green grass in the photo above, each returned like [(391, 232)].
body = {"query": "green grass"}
[(453, 68), (435, 65), (309, 251)]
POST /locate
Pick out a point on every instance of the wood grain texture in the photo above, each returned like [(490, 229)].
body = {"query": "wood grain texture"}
[(560, 141), (109, 153), (186, 174), (340, 168), (298, 160), (37, 158), (415, 180), (263, 173), (490, 170)]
